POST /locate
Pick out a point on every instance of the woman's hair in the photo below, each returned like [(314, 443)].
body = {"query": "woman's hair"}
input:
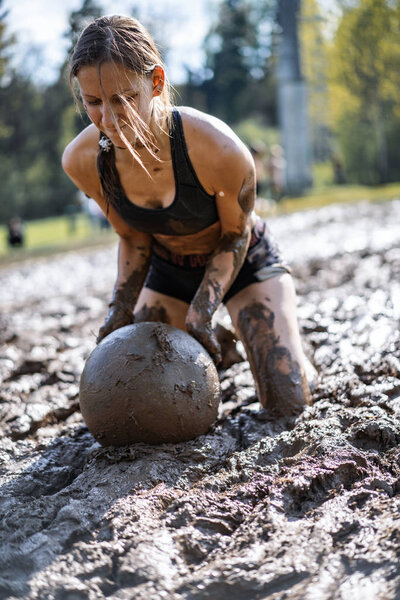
[(122, 41)]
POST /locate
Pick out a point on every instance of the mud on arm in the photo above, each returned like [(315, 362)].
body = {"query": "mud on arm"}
[(225, 263), (134, 256)]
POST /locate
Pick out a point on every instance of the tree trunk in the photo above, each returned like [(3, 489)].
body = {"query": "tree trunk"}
[(381, 137)]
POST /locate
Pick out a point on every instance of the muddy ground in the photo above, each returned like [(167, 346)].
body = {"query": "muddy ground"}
[(258, 508)]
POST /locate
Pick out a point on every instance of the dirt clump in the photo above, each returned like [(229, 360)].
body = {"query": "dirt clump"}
[(258, 507)]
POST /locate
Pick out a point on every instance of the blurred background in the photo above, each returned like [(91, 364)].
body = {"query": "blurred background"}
[(311, 86)]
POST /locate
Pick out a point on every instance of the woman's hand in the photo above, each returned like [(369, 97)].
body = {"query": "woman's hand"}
[(199, 326), (118, 316)]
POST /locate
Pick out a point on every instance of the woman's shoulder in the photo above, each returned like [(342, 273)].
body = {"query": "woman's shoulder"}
[(79, 157), (206, 133), (217, 153)]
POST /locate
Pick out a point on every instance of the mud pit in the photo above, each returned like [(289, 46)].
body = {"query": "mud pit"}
[(307, 508)]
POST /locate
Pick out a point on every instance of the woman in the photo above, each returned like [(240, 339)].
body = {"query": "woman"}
[(178, 187)]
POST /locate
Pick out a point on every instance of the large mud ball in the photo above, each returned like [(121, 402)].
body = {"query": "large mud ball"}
[(149, 382)]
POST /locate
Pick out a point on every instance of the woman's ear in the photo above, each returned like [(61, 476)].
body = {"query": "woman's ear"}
[(158, 78)]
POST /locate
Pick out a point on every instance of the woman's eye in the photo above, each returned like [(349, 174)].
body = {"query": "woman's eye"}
[(93, 102), (131, 98)]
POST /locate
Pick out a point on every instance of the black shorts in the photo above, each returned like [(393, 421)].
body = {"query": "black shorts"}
[(179, 275)]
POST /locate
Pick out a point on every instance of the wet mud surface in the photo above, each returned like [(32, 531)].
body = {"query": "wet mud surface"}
[(259, 507)]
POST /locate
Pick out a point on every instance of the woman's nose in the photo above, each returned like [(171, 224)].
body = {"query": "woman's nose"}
[(108, 117)]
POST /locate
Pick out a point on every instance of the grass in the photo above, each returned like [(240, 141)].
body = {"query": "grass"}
[(57, 234), (343, 194), (324, 192)]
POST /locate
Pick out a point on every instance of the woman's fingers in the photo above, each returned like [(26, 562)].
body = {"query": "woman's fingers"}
[(114, 320), (207, 338)]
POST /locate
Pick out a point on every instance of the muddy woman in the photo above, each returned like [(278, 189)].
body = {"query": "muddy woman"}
[(178, 187)]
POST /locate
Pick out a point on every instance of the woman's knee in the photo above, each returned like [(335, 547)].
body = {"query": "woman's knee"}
[(276, 360), (282, 383)]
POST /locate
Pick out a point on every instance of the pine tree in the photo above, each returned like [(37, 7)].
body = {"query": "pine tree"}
[(237, 57), (89, 10)]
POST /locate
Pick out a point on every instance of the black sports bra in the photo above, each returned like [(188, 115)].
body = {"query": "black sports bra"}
[(192, 209)]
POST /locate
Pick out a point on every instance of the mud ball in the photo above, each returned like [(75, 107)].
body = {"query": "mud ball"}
[(148, 382)]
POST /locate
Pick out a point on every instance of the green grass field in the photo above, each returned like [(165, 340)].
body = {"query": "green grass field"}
[(343, 194), (324, 192), (55, 234)]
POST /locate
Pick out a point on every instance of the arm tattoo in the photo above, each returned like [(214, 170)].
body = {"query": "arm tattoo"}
[(247, 193)]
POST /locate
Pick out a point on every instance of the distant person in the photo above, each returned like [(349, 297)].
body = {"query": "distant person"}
[(97, 218), (259, 153), (277, 172), (16, 234), (178, 187), (339, 176), (71, 212)]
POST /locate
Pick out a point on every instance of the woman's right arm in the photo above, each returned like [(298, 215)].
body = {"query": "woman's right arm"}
[(134, 253), (134, 256)]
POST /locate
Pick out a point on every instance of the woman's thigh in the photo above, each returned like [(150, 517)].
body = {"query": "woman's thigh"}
[(264, 316), (154, 306)]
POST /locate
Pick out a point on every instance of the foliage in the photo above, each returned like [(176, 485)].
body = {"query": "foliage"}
[(255, 130), (6, 42), (314, 53), (89, 10), (364, 86), (37, 123), (238, 76)]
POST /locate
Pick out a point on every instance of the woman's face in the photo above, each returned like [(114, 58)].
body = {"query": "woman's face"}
[(102, 98)]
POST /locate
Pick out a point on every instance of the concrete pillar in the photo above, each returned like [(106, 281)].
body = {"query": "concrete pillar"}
[(292, 102)]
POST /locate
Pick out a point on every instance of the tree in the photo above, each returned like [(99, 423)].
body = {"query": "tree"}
[(236, 81), (234, 42), (6, 43), (89, 10), (314, 52), (365, 83), (37, 123)]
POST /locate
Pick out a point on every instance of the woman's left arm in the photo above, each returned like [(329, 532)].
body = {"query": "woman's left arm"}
[(235, 201)]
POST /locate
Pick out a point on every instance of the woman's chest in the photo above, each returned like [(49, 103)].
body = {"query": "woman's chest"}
[(152, 189)]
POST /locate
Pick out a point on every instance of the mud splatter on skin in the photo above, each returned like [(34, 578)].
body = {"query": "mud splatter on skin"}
[(210, 293), (247, 193), (280, 385), (124, 299), (202, 308), (152, 313), (237, 245)]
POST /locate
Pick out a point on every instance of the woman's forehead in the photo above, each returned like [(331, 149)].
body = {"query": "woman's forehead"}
[(110, 77)]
